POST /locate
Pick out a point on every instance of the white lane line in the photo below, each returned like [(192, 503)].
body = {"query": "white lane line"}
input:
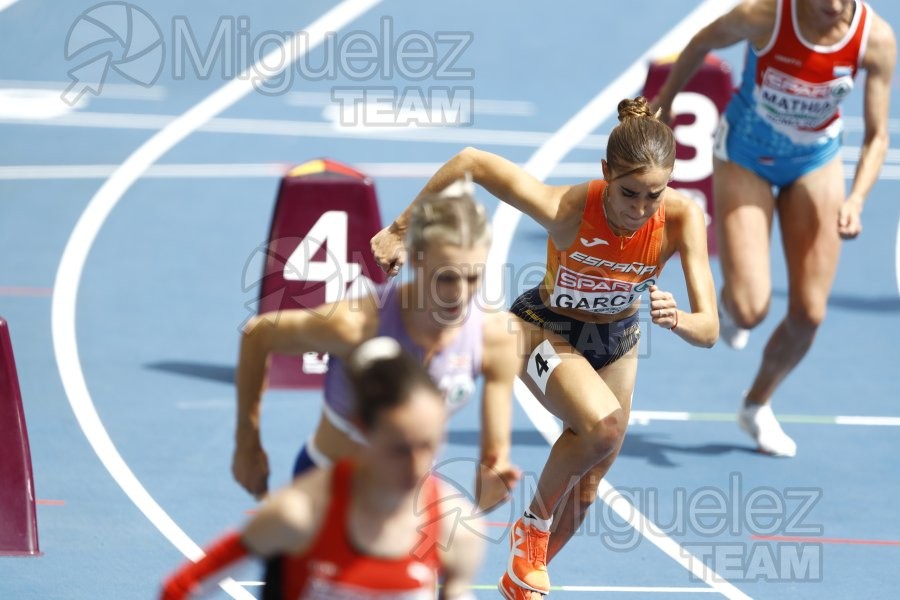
[(645, 417), (82, 238), (111, 91), (547, 425), (506, 220), (386, 170), (294, 128), (158, 171), (871, 421), (33, 105), (98, 120)]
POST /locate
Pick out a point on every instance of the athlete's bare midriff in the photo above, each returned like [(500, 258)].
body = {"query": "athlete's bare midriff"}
[(332, 442)]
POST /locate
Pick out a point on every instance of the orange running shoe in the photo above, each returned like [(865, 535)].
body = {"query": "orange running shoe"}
[(511, 591), (528, 557)]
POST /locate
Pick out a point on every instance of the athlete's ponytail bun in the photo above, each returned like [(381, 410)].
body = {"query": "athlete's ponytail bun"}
[(635, 108)]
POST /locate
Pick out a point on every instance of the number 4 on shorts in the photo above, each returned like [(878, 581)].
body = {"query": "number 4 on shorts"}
[(541, 364)]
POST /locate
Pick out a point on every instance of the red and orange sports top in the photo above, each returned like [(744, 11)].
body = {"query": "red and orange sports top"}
[(797, 86), (601, 272), (333, 569)]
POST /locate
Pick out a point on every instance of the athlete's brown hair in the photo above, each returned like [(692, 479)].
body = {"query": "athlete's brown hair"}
[(640, 141), (452, 217)]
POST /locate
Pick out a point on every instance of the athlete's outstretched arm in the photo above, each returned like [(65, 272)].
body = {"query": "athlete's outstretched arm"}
[(556, 208), (334, 328), (878, 62), (752, 20), (192, 578), (686, 234), (500, 364)]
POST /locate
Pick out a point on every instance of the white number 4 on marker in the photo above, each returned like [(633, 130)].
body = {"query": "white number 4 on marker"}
[(334, 271)]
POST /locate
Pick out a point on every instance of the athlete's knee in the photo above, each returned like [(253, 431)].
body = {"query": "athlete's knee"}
[(606, 434), (806, 316), (748, 311)]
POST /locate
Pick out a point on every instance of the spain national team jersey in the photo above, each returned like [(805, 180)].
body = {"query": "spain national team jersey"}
[(797, 86), (601, 272)]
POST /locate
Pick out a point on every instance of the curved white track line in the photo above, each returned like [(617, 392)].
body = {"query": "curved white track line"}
[(85, 232), (4, 4), (506, 220)]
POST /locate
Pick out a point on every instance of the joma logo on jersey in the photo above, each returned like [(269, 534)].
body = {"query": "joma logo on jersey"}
[(594, 242), (593, 261)]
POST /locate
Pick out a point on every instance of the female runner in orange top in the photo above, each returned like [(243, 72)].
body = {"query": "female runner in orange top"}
[(578, 330)]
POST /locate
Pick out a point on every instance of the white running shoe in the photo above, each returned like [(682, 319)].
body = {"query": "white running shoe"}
[(760, 423), (735, 336)]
